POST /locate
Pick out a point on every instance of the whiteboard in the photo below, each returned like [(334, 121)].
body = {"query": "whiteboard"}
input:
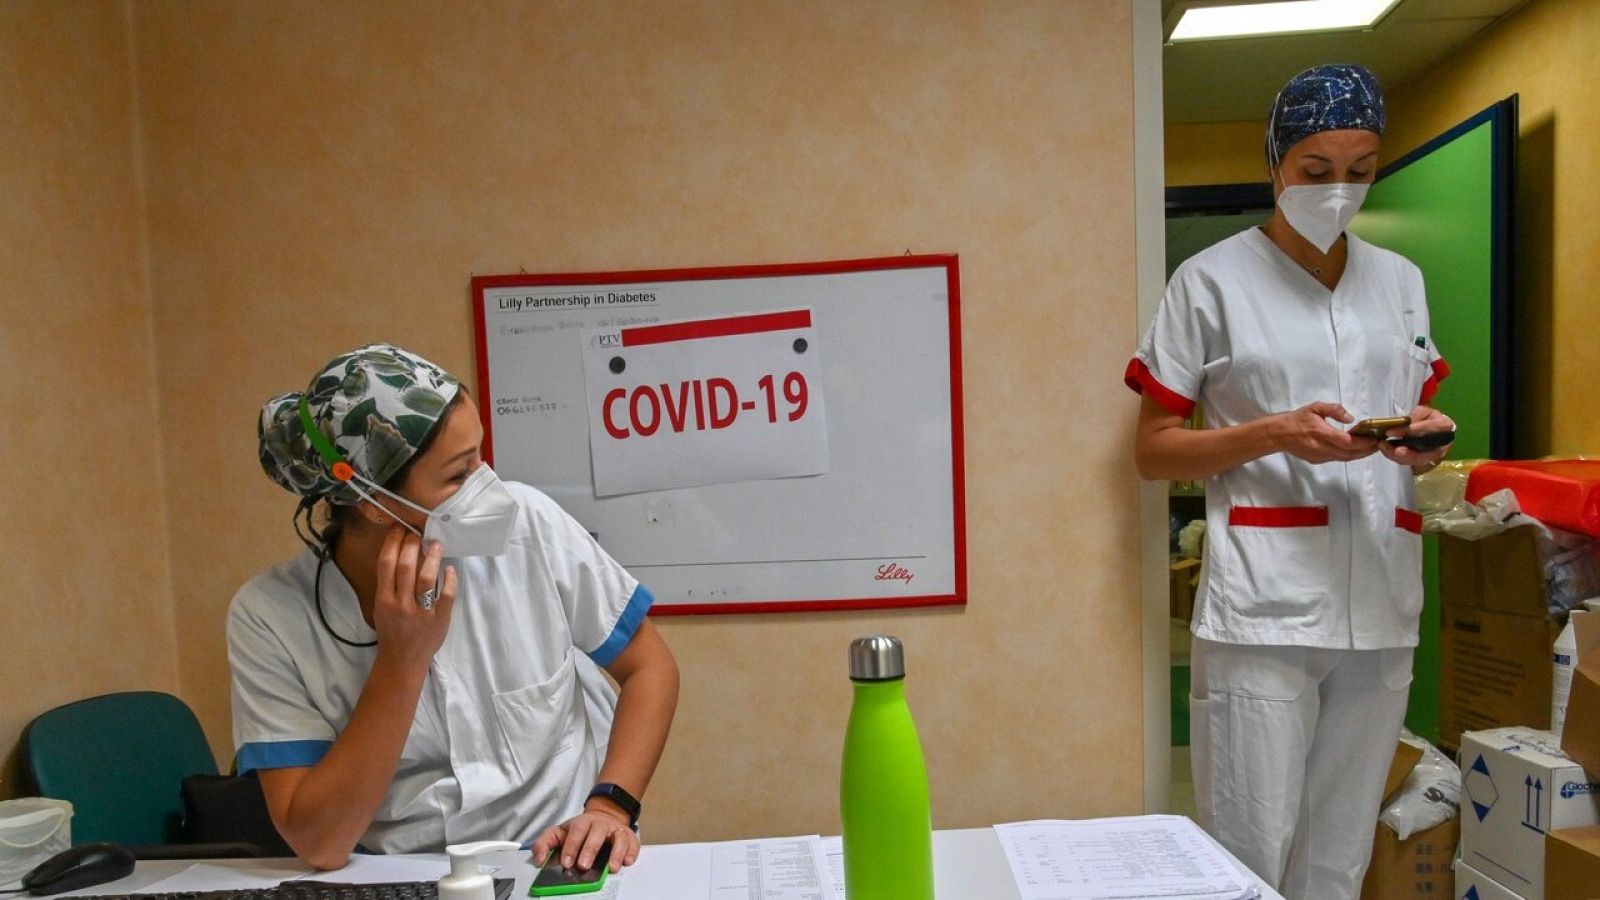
[(884, 526)]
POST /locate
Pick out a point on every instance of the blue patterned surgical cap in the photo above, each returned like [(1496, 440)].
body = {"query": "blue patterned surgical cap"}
[(1324, 98)]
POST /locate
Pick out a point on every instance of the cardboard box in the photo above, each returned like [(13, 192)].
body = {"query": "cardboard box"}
[(1496, 634), (1418, 866), (1474, 885), (1184, 579), (1580, 736), (1572, 864), (1516, 785), (1405, 759)]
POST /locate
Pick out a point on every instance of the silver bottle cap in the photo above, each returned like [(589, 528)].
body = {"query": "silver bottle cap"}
[(877, 657)]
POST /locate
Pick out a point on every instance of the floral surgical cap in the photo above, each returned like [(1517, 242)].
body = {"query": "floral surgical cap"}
[(1324, 98), (376, 404)]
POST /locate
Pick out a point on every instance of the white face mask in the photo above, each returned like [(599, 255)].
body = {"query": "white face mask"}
[(474, 521), (1320, 212)]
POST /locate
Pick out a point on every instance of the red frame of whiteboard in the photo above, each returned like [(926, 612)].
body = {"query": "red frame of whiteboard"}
[(947, 261)]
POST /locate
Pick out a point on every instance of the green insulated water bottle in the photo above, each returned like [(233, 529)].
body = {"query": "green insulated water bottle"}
[(883, 786)]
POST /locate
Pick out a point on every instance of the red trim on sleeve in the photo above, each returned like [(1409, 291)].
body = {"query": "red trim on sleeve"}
[(1408, 520), (1441, 371), (1138, 378), (1278, 516)]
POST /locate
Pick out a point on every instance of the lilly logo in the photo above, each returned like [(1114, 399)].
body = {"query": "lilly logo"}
[(1574, 788)]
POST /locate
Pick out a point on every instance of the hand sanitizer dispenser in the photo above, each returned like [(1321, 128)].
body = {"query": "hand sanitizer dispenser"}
[(466, 881)]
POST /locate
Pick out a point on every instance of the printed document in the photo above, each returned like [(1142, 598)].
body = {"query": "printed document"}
[(1120, 859)]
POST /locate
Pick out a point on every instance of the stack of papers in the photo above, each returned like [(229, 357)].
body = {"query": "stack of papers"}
[(1120, 859), (791, 868)]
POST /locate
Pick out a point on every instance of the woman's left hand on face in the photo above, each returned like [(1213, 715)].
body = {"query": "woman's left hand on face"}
[(580, 838), (1424, 419)]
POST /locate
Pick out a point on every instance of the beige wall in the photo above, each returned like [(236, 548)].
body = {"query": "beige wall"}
[(83, 513), (1545, 53), (325, 174), (1216, 153)]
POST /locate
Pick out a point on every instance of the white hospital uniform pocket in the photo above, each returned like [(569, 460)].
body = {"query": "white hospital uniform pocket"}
[(540, 721), (1283, 571)]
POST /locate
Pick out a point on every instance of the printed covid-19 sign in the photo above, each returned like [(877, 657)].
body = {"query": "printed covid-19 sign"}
[(705, 401)]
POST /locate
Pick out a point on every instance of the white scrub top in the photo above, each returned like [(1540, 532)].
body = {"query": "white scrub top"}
[(513, 721), (1299, 554)]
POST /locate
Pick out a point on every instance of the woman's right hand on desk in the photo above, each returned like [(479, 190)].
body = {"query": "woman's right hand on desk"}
[(1306, 434), (408, 633)]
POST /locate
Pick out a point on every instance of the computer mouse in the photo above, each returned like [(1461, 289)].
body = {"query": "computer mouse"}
[(85, 865)]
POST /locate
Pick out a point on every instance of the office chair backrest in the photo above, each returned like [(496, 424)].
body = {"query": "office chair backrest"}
[(120, 759)]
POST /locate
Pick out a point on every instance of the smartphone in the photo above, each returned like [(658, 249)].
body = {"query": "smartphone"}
[(1427, 440), (1377, 428), (555, 880)]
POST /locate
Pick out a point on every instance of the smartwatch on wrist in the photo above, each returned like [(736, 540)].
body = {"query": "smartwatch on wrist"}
[(623, 799)]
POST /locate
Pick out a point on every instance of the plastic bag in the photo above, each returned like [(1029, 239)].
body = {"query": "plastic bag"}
[(1431, 794), (1496, 513), (1572, 575), (32, 829), (1441, 489), (1192, 539)]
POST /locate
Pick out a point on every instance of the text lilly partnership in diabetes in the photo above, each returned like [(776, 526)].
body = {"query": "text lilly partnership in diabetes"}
[(705, 401)]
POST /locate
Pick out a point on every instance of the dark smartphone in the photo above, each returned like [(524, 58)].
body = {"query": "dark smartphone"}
[(555, 880), (1427, 440), (1377, 428)]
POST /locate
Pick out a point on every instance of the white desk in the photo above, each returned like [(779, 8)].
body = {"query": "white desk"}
[(968, 865)]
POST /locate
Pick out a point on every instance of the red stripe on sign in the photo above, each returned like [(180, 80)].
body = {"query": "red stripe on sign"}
[(1279, 516), (1409, 520), (713, 328)]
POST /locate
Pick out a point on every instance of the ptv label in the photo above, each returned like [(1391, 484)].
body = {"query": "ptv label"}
[(705, 401)]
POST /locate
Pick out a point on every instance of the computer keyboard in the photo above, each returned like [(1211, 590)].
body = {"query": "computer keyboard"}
[(307, 889)]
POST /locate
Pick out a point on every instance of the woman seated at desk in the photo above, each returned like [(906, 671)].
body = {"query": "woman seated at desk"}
[(427, 672)]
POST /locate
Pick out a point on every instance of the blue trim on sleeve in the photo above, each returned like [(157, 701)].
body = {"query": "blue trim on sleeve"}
[(281, 755), (628, 623)]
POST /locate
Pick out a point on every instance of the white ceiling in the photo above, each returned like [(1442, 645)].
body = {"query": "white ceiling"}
[(1236, 80)]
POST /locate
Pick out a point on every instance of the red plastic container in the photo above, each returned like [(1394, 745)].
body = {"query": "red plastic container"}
[(1562, 493)]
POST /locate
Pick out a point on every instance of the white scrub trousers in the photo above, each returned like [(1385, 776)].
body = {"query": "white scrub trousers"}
[(1291, 746)]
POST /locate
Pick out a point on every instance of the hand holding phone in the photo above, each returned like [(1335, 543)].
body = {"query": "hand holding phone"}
[(555, 880)]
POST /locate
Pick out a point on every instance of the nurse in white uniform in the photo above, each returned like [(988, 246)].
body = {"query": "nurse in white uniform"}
[(1306, 616), (428, 671)]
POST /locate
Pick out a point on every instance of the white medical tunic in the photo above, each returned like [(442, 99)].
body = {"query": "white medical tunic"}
[(515, 715), (1299, 554)]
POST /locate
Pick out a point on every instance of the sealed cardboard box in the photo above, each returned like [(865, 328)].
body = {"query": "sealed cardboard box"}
[(1418, 866), (1474, 885), (1496, 634), (1572, 864), (1580, 737), (1516, 786)]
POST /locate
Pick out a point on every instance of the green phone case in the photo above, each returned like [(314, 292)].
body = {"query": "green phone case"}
[(565, 890)]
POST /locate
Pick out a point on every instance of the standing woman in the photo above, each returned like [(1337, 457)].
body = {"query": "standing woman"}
[(1307, 612), (427, 671)]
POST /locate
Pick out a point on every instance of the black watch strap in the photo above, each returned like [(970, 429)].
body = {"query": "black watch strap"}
[(628, 802)]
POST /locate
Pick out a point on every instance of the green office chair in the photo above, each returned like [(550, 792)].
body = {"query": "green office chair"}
[(121, 760)]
